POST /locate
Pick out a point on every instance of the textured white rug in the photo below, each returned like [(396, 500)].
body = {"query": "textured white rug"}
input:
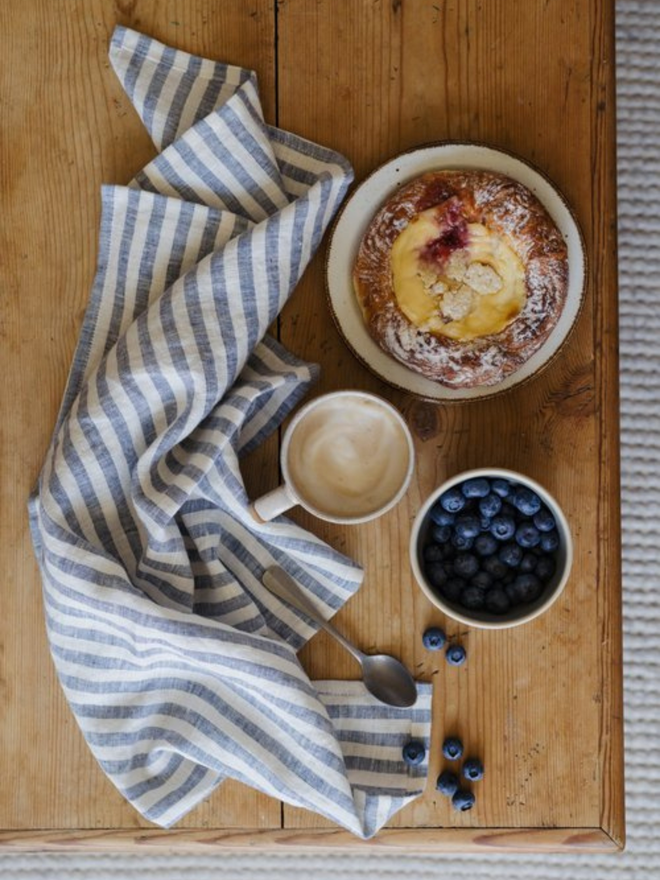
[(638, 36)]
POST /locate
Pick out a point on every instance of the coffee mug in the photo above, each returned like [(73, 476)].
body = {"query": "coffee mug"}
[(347, 457)]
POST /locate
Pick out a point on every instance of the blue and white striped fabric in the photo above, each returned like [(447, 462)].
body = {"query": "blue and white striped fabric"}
[(179, 666)]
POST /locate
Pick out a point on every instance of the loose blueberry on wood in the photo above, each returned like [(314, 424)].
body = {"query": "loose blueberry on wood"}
[(447, 783), (452, 748), (434, 638), (455, 655), (473, 769), (463, 800)]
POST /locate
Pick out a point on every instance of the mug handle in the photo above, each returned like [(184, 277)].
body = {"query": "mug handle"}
[(273, 503)]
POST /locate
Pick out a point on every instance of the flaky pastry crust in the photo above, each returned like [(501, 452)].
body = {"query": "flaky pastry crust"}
[(505, 207)]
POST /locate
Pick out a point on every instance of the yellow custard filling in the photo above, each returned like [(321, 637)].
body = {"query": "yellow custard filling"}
[(478, 290)]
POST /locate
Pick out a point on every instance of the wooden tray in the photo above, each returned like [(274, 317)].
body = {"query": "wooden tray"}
[(542, 704)]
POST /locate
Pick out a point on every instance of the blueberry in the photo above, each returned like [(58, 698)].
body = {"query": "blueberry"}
[(441, 534), (414, 752), (509, 510), (434, 638), (463, 800), (482, 579), (452, 500), (436, 574), (525, 588), (511, 555), (455, 655), (503, 527), (497, 601), (526, 501), (452, 748), (453, 588), (467, 526), (440, 516), (501, 487), (528, 563), (545, 568), (494, 567), (447, 783), (466, 565), (449, 551), (550, 541), (460, 542), (484, 522), (485, 545), (433, 553), (473, 769), (478, 487), (544, 520), (491, 505), (473, 598), (527, 535)]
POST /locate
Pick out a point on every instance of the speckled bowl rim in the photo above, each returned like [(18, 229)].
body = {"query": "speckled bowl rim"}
[(536, 609), (453, 395)]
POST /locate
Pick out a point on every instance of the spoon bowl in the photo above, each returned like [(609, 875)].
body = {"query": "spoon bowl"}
[(388, 680)]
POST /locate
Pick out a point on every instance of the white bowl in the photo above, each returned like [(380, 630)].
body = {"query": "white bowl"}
[(522, 613)]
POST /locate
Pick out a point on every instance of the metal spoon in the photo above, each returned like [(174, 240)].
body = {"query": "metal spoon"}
[(384, 676)]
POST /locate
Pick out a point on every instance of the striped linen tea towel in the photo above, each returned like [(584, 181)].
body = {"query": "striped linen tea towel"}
[(179, 666)]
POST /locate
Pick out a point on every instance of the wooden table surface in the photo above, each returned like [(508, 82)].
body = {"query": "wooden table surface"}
[(542, 704)]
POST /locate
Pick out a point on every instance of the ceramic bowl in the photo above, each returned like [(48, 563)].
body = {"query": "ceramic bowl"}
[(518, 614)]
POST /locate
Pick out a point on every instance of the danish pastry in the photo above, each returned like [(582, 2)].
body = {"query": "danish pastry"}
[(461, 276)]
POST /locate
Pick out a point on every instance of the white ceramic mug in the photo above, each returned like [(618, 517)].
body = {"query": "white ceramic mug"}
[(347, 457)]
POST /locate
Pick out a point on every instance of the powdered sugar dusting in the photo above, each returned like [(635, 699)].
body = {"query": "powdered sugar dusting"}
[(512, 211)]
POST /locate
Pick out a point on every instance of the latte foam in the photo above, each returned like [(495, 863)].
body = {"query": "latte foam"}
[(348, 457)]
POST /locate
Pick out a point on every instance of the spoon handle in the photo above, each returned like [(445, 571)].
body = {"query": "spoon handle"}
[(284, 587)]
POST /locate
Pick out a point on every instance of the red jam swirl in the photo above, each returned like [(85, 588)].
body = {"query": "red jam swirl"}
[(453, 236)]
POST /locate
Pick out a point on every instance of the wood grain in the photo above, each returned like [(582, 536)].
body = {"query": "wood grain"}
[(69, 128), (421, 72), (194, 840), (542, 705)]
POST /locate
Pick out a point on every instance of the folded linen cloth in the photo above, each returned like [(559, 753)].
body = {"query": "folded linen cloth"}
[(179, 666)]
